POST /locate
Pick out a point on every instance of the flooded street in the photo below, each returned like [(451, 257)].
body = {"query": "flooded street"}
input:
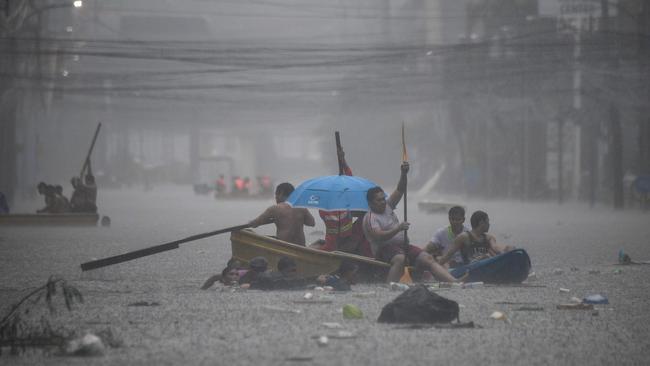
[(267, 328)]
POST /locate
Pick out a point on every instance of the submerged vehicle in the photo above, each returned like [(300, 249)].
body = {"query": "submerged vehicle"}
[(247, 244)]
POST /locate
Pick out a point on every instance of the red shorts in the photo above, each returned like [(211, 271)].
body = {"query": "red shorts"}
[(387, 252)]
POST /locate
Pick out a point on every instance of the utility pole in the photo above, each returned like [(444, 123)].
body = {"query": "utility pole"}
[(615, 134), (560, 158)]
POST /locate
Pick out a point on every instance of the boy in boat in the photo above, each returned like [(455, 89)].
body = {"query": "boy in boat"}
[(288, 221), (444, 238), (475, 244), (385, 233)]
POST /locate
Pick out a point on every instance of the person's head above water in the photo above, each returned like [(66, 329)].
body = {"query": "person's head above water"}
[(287, 266)]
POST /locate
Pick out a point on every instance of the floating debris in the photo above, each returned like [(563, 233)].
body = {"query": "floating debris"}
[(352, 312), (278, 309), (322, 341), (576, 306), (144, 303), (299, 358), (88, 345), (595, 299), (529, 308)]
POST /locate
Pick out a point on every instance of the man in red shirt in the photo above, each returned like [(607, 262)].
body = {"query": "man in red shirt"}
[(341, 233)]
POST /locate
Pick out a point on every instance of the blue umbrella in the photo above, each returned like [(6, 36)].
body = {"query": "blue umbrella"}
[(332, 193)]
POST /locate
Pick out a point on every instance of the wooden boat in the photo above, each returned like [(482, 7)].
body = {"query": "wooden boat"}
[(435, 207), (246, 244), (63, 219), (509, 267)]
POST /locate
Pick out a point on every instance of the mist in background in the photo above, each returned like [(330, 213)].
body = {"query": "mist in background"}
[(530, 100)]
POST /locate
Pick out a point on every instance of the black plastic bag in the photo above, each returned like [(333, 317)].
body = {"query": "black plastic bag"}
[(419, 305)]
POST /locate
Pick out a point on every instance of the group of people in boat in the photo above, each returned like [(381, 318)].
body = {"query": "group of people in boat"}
[(379, 234), (83, 199), (243, 186)]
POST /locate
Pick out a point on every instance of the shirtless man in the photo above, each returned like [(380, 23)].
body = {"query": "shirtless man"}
[(475, 244), (288, 220)]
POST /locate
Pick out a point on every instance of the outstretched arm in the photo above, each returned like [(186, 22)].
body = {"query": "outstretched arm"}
[(265, 218), (396, 196), (210, 281), (495, 248), (344, 164), (458, 243), (377, 234)]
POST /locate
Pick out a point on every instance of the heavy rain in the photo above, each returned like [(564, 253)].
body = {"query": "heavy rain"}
[(143, 147)]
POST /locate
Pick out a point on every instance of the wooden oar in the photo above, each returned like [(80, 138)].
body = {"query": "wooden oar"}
[(90, 151), (337, 137), (155, 249), (406, 277)]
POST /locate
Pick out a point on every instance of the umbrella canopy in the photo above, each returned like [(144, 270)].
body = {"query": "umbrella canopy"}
[(332, 193)]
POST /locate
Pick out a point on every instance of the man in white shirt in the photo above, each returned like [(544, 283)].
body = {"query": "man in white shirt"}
[(445, 236)]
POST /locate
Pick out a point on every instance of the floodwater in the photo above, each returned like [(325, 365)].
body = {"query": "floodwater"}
[(217, 327)]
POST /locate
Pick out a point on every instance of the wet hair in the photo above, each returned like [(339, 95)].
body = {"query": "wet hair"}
[(372, 192), (477, 217), (259, 264), (346, 267), (457, 211), (233, 262), (225, 271), (285, 263), (50, 189), (284, 188)]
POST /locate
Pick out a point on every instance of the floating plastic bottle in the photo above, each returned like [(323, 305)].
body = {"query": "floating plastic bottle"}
[(595, 299)]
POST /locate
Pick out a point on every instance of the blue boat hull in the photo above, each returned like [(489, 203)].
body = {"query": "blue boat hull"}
[(510, 267)]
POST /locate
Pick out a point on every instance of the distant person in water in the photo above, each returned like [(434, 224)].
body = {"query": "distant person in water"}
[(4, 206), (341, 280), (288, 221), (220, 188)]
